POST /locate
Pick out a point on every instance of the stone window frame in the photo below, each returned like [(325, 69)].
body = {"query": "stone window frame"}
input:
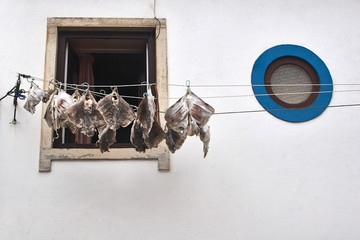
[(47, 152)]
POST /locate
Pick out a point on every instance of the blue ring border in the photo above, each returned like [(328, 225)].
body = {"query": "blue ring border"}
[(285, 50)]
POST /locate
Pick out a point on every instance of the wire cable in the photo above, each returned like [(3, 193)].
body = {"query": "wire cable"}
[(282, 109), (157, 20), (210, 85), (78, 86), (265, 85), (272, 94), (8, 93), (286, 109), (100, 94)]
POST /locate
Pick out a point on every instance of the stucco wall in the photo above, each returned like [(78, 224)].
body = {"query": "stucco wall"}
[(262, 179)]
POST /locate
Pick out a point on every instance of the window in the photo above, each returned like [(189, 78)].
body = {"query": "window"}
[(105, 58), (120, 51), (292, 78)]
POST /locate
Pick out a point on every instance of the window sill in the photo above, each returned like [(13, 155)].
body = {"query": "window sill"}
[(47, 155)]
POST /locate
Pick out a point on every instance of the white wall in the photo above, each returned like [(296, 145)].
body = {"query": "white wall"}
[(263, 178)]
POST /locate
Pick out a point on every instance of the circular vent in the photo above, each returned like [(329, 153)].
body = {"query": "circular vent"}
[(292, 83)]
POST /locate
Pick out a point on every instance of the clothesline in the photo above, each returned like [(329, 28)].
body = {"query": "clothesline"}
[(102, 93), (246, 111), (228, 96), (202, 85), (76, 86), (283, 109)]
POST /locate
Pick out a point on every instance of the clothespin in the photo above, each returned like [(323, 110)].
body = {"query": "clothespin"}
[(188, 90)]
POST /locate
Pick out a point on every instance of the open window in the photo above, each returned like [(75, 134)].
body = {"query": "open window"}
[(105, 52), (105, 58)]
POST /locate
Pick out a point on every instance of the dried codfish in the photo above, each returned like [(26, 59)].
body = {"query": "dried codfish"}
[(116, 113), (187, 117), (146, 113), (76, 96), (47, 96), (55, 115), (205, 138), (136, 137), (107, 137), (156, 135), (177, 116), (62, 101), (174, 139), (49, 116), (85, 115), (199, 110), (146, 133), (34, 97)]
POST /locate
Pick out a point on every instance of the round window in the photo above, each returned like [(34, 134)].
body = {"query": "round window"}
[(292, 78)]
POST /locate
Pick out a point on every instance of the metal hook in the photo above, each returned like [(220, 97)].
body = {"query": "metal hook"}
[(87, 87), (102, 91), (144, 94)]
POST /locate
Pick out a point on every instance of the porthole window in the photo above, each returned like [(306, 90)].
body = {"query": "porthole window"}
[(292, 83)]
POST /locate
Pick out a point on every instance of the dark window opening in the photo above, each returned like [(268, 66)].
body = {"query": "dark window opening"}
[(119, 58)]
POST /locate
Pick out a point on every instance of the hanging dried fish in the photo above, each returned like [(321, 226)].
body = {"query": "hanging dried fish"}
[(146, 132), (55, 115), (107, 137), (62, 102), (68, 124), (116, 113), (188, 117), (146, 112), (136, 137), (34, 97), (85, 115), (177, 116), (205, 138), (48, 94), (76, 96), (156, 135), (174, 139), (49, 116)]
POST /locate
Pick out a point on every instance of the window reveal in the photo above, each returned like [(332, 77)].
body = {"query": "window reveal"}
[(105, 58)]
